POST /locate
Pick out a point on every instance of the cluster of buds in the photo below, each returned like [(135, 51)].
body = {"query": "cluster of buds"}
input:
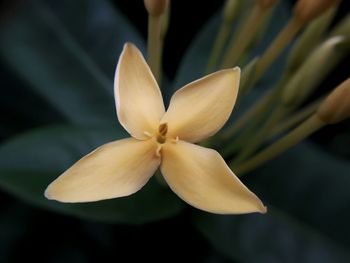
[(312, 57)]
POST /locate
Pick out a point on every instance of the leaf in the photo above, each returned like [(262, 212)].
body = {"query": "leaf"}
[(67, 52), (20, 108), (306, 192), (193, 63), (30, 162), (101, 31)]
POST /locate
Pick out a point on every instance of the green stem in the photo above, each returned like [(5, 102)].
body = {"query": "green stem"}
[(154, 45), (239, 42), (255, 141), (247, 116), (277, 46), (255, 115), (293, 120), (224, 32), (308, 127)]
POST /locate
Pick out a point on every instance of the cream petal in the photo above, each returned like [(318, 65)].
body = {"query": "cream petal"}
[(115, 169), (201, 178), (201, 108), (138, 99)]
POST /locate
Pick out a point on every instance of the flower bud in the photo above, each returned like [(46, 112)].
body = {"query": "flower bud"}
[(231, 9), (309, 39), (315, 67), (265, 4), (306, 10), (156, 7), (336, 107), (342, 28)]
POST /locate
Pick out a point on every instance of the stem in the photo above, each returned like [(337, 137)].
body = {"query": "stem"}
[(224, 31), (239, 42), (232, 130), (255, 111), (154, 45), (261, 118), (308, 127), (255, 115), (259, 137), (277, 46), (296, 118)]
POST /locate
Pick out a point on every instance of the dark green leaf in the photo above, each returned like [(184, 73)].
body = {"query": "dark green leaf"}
[(30, 162), (194, 62), (307, 195), (20, 108), (67, 52)]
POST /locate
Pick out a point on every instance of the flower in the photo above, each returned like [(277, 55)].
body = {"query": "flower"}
[(162, 139)]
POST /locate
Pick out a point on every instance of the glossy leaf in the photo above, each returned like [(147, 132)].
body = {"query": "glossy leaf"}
[(307, 195), (67, 52), (30, 162)]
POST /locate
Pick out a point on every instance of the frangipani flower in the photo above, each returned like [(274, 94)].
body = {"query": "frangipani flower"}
[(162, 139)]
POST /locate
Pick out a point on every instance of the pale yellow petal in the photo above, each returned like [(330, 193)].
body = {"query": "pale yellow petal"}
[(201, 108), (115, 169), (201, 178), (138, 99)]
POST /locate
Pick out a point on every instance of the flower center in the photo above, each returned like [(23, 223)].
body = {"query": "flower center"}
[(162, 131)]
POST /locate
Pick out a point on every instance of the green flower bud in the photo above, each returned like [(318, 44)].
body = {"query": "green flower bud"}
[(336, 107), (156, 7), (307, 10)]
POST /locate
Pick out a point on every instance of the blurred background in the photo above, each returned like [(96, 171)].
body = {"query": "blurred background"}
[(57, 61)]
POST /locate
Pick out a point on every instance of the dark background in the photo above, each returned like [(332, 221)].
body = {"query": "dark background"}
[(31, 234)]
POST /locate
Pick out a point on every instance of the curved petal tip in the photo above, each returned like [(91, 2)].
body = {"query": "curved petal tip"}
[(201, 178)]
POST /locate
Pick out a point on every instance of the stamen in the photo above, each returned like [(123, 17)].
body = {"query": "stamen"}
[(148, 134), (161, 139), (163, 129), (158, 151)]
